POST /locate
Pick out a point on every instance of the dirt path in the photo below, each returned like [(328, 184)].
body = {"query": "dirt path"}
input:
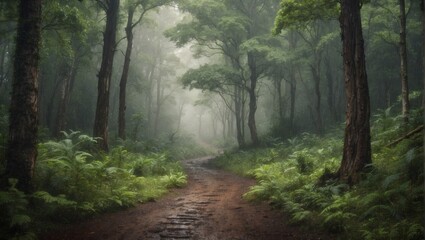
[(209, 207)]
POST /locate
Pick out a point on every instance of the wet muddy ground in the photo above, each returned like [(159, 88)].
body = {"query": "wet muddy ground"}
[(209, 207)]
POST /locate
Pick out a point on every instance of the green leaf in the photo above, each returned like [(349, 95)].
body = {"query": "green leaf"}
[(19, 220)]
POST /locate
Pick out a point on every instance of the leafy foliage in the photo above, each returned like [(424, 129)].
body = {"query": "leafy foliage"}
[(74, 181), (14, 221), (300, 13), (209, 77), (297, 177)]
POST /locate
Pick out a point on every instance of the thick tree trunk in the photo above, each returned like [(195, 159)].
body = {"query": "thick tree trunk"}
[(21, 152), (252, 100), (423, 77), (357, 148), (124, 76), (403, 63), (100, 128)]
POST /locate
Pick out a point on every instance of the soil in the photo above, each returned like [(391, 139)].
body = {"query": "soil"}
[(210, 207)]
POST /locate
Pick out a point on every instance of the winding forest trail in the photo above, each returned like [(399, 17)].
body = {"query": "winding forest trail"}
[(209, 207)]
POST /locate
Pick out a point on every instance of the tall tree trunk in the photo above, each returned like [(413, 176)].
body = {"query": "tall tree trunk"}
[(403, 63), (21, 152), (423, 76), (293, 40), (124, 76), (239, 116), (3, 63), (252, 100), (331, 92), (357, 148), (158, 106), (100, 128), (315, 70), (200, 126), (292, 91), (278, 87), (65, 95), (149, 102), (49, 116)]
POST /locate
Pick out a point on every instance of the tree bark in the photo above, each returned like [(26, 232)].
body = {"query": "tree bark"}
[(315, 70), (149, 101), (423, 79), (293, 90), (100, 128), (65, 95), (331, 92), (357, 146), (403, 63), (252, 100), (124, 76), (278, 87), (21, 152), (3, 63), (238, 116), (158, 105)]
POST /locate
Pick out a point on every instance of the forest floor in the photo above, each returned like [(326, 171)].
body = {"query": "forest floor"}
[(209, 207)]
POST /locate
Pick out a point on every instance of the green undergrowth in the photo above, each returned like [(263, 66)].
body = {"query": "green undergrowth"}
[(178, 147), (74, 182), (294, 176)]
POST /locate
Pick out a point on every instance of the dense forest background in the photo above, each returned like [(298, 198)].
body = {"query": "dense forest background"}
[(300, 80), (113, 80)]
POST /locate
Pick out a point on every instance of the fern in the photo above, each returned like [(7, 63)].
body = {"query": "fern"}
[(15, 221)]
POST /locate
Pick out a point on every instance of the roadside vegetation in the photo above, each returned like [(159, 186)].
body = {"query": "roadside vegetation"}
[(75, 181), (297, 176)]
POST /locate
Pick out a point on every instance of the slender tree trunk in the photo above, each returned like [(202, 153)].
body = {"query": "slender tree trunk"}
[(231, 125), (357, 148), (2, 64), (200, 126), (315, 69), (65, 95), (179, 118), (292, 91), (331, 93), (292, 83), (252, 100), (149, 102), (238, 116), (100, 128), (21, 152), (403, 63), (158, 106), (49, 118), (124, 76), (278, 86)]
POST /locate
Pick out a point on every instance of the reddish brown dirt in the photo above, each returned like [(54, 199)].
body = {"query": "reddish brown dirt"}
[(210, 207)]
